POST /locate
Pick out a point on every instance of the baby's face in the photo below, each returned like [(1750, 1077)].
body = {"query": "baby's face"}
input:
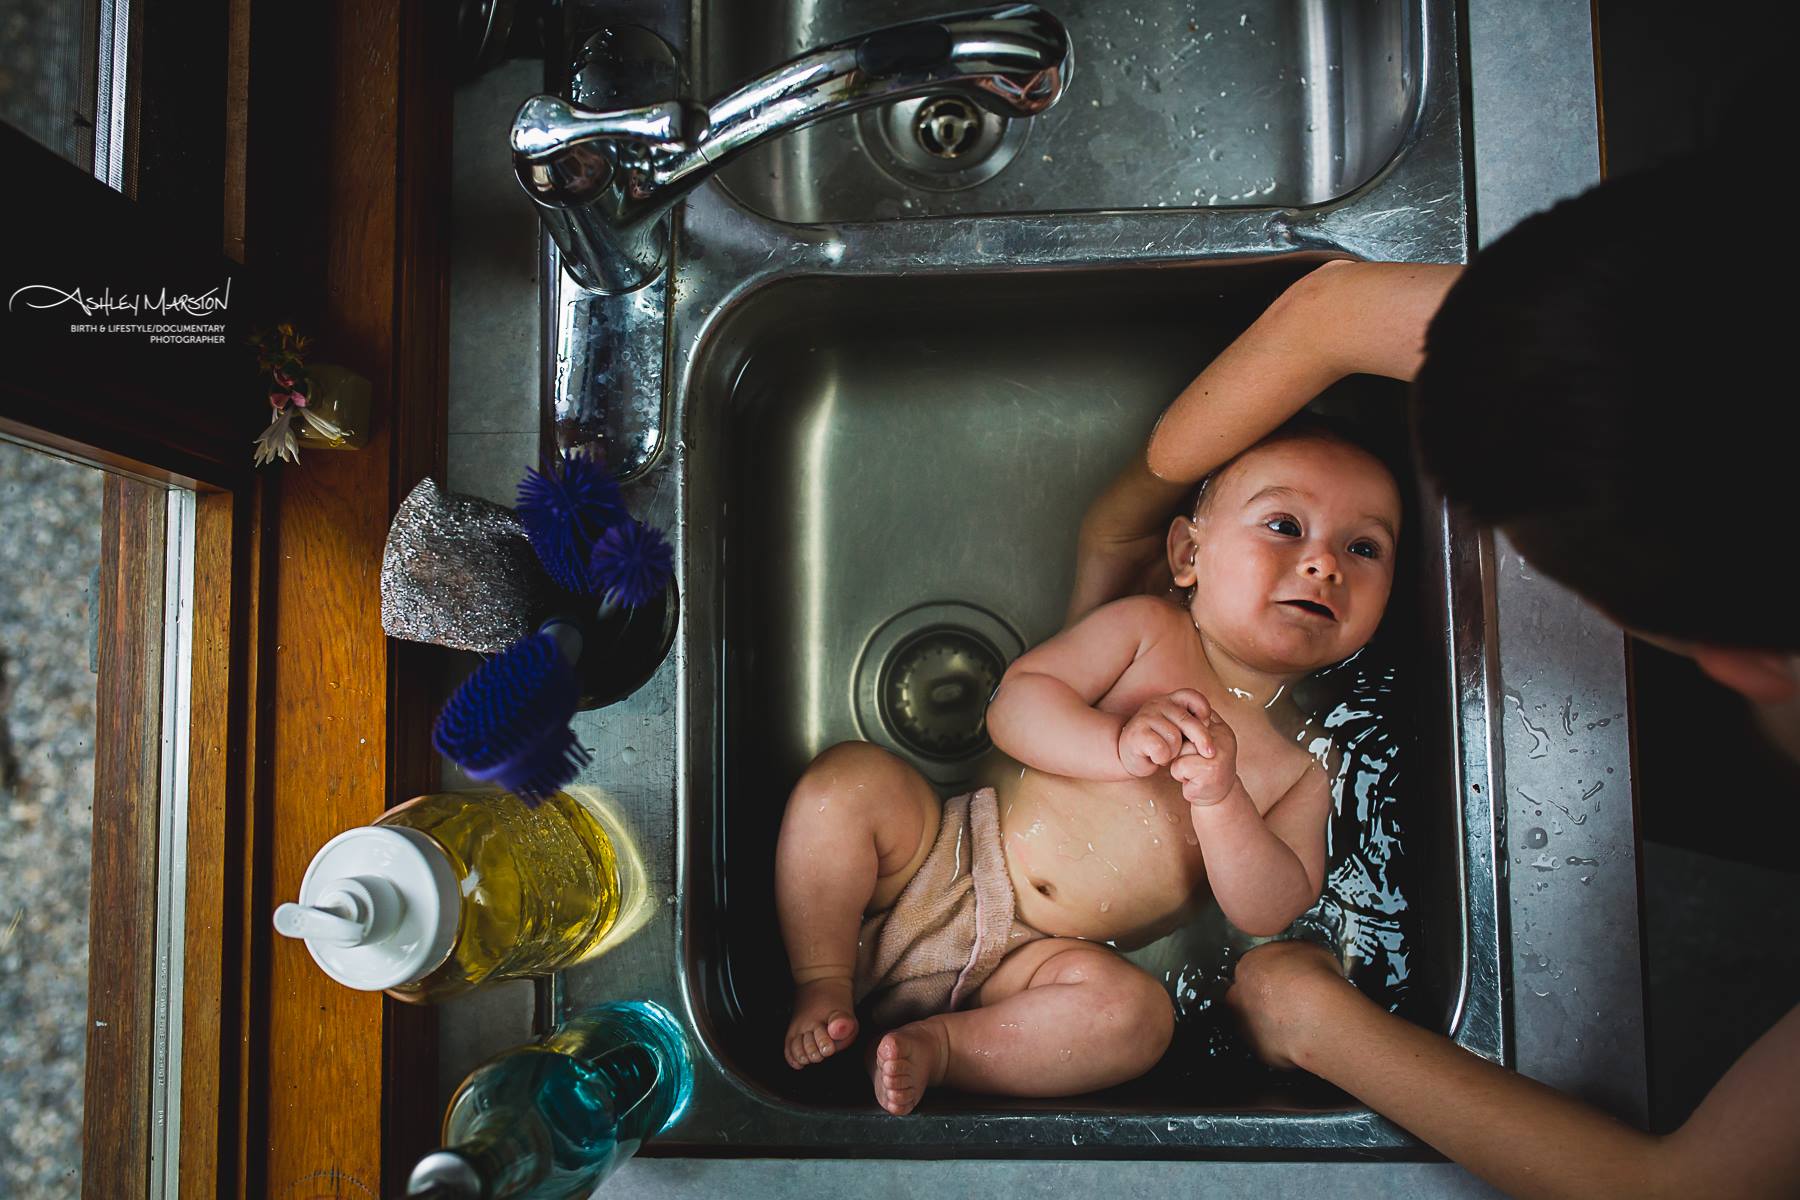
[(1291, 557)]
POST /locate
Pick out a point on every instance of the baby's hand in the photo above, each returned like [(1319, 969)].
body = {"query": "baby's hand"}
[(1207, 768), (1154, 736)]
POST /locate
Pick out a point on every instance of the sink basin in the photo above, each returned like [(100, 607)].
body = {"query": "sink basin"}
[(898, 458), (1259, 104)]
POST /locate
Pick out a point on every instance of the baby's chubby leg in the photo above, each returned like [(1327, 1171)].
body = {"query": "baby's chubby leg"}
[(858, 825), (1058, 1017)]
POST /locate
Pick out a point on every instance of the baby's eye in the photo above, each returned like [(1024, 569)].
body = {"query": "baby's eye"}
[(1285, 526), (1366, 548)]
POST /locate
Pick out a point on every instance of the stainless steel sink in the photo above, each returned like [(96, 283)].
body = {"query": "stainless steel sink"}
[(1263, 103), (918, 453), (861, 425)]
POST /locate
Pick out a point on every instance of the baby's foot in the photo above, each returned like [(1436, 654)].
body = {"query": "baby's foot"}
[(907, 1061), (823, 1024)]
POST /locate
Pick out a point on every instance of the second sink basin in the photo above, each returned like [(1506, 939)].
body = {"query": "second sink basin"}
[(1265, 103)]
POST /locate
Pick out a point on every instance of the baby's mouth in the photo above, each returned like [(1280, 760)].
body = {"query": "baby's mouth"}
[(1310, 606)]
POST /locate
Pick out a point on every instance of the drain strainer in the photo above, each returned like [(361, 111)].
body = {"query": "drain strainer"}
[(940, 143), (947, 127), (935, 689), (924, 680)]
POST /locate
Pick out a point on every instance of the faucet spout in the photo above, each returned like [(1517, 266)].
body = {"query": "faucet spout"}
[(606, 181)]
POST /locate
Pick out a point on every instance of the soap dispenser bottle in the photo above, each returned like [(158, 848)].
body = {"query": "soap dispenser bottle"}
[(448, 891)]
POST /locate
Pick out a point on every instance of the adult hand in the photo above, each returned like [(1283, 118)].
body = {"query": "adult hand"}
[(1343, 319), (1284, 995), (1110, 566)]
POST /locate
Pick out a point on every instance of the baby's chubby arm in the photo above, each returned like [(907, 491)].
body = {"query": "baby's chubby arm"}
[(1043, 713), (1265, 868)]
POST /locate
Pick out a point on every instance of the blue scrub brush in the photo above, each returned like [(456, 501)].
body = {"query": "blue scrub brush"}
[(508, 723), (630, 565), (564, 508)]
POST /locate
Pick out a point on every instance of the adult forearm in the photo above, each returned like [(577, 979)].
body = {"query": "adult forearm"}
[(1259, 882), (1043, 723), (1524, 1138), (1267, 375), (1342, 319)]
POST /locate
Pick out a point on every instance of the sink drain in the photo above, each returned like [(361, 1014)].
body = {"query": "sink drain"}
[(935, 689), (924, 680), (947, 127), (940, 143)]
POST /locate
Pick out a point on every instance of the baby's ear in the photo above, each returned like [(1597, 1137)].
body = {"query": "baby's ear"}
[(1182, 548)]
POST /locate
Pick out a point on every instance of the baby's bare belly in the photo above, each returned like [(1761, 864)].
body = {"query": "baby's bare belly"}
[(1114, 862)]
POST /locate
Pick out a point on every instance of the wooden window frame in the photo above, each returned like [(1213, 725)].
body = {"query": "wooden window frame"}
[(303, 154)]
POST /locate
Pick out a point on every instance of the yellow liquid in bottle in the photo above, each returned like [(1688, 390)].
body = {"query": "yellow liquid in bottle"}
[(540, 886)]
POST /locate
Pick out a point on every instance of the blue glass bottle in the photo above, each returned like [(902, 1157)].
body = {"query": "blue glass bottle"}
[(551, 1120)]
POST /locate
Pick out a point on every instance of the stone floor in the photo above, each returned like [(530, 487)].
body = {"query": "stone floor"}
[(49, 554)]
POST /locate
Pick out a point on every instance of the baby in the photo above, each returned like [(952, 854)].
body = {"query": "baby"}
[(1146, 762)]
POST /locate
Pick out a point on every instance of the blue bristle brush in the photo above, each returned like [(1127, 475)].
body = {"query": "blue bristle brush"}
[(630, 565), (508, 723), (564, 508)]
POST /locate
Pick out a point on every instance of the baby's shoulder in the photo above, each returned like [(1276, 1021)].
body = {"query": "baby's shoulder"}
[(1145, 612)]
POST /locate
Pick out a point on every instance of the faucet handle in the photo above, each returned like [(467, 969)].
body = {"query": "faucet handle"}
[(560, 149)]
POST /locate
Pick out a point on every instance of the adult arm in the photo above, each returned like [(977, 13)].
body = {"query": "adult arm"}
[(1527, 1139), (1345, 318)]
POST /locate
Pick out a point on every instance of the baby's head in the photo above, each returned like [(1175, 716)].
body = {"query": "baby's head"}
[(1290, 551)]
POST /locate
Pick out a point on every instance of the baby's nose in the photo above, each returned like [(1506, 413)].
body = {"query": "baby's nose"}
[(1322, 565)]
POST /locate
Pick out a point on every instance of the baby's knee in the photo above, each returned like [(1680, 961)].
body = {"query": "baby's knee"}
[(848, 783), (1135, 1003), (837, 770), (848, 762)]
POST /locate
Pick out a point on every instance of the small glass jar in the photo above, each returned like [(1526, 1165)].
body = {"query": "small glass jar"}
[(337, 409)]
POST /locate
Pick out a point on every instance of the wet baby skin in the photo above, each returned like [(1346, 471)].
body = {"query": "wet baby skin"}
[(1145, 764)]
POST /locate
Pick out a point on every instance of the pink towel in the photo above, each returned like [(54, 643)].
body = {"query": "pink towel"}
[(950, 926)]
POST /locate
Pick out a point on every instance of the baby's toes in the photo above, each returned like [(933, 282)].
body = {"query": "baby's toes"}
[(802, 1049), (840, 1029)]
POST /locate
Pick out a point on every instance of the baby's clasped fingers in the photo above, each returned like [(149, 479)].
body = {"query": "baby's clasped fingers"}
[(1193, 702), (1193, 715), (1148, 741)]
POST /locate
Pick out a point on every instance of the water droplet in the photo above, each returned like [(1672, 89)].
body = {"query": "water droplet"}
[(628, 755), (1535, 837)]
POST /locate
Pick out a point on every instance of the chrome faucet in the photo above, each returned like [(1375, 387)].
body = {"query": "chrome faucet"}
[(605, 182)]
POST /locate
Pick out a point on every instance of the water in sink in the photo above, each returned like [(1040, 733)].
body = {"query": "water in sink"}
[(1365, 707)]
